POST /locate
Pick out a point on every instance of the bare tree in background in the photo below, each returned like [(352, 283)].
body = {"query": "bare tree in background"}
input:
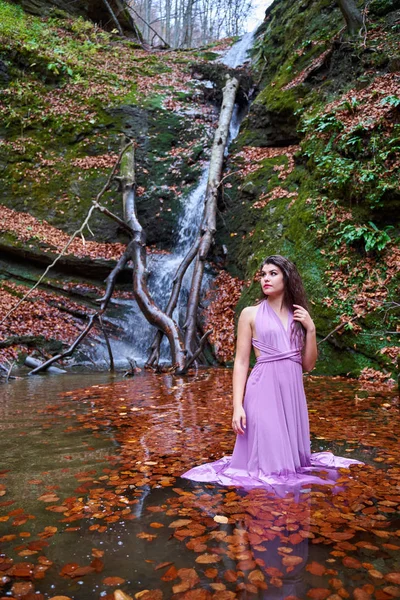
[(352, 15), (189, 23)]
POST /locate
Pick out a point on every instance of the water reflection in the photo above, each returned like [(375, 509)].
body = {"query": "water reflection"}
[(91, 470)]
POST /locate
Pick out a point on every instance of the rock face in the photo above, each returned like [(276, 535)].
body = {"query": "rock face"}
[(72, 93), (94, 10), (272, 128)]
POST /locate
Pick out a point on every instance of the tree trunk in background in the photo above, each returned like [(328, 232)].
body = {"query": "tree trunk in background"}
[(177, 23), (208, 225), (168, 21), (187, 25), (352, 15), (137, 254)]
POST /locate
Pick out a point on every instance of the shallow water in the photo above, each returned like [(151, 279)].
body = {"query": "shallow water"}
[(90, 467)]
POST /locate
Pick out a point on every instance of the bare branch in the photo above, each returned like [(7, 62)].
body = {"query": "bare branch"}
[(177, 284), (199, 350), (55, 261), (70, 350), (114, 18), (147, 24), (108, 213), (137, 253), (378, 304), (74, 235), (111, 280), (339, 327), (208, 225)]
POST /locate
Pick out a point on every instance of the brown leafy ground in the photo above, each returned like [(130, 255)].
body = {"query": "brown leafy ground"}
[(220, 314), (46, 317), (59, 318), (44, 314), (27, 228), (129, 524)]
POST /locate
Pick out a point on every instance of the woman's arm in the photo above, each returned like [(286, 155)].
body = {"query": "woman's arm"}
[(241, 368), (310, 350)]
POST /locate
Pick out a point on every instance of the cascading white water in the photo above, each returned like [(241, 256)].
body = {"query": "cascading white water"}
[(162, 267), (238, 54)]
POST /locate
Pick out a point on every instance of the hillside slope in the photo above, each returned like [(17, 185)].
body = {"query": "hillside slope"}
[(315, 175), (70, 92)]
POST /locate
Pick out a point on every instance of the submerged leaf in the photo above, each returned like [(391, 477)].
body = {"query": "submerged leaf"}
[(113, 581), (206, 559)]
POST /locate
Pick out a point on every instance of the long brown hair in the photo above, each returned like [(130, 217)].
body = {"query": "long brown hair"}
[(294, 292)]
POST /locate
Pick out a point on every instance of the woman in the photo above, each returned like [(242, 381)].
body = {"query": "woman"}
[(269, 408)]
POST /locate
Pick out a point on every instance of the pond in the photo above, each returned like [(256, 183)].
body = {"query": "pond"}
[(92, 505)]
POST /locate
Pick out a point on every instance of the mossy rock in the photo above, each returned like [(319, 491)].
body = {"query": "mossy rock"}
[(273, 119)]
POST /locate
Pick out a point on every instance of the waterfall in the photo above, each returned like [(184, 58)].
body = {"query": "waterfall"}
[(237, 55), (162, 267)]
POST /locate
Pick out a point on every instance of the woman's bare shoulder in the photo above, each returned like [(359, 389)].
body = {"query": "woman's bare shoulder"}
[(249, 313)]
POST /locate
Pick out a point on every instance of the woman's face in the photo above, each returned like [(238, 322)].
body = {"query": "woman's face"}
[(272, 281)]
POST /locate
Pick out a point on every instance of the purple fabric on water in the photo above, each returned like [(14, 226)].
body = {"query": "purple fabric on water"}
[(274, 452)]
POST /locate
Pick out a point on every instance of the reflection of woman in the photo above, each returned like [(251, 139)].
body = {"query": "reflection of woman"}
[(277, 535), (269, 410)]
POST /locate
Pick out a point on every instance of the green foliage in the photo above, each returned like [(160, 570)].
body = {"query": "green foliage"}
[(350, 105), (371, 237), (336, 171), (327, 122), (392, 100), (15, 25), (345, 175)]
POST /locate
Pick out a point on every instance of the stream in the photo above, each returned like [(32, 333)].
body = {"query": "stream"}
[(91, 499)]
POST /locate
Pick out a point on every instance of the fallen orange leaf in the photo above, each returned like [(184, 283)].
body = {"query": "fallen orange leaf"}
[(113, 581), (206, 559)]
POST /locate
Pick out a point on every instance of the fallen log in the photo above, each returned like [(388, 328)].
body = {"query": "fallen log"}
[(208, 225), (33, 363)]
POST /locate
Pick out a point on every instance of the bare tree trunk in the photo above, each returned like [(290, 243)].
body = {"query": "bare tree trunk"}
[(168, 21), (147, 18), (69, 352), (113, 17), (351, 15), (148, 27), (184, 351), (208, 225), (187, 25), (173, 300), (137, 253)]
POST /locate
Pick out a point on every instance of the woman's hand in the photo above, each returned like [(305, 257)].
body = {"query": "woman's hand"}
[(239, 420), (302, 316), (310, 352)]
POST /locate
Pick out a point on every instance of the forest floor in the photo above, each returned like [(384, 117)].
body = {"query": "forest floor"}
[(92, 501)]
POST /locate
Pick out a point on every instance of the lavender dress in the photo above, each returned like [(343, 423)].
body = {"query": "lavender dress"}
[(274, 452)]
